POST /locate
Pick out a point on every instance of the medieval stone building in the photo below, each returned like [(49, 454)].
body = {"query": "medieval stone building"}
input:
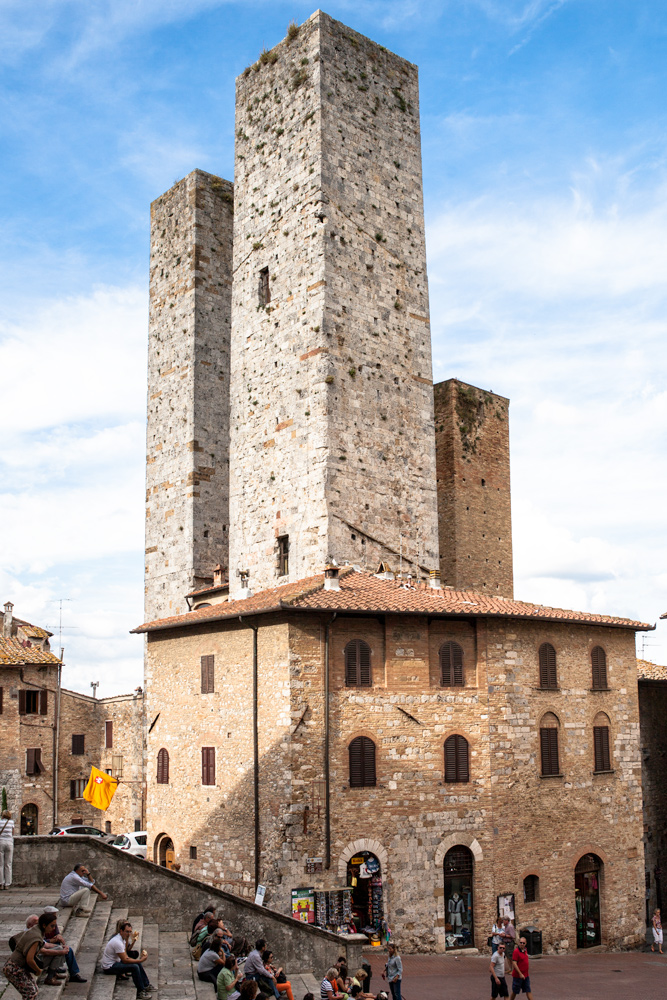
[(340, 687)]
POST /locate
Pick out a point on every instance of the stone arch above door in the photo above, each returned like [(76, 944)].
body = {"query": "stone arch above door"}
[(458, 840), (363, 844)]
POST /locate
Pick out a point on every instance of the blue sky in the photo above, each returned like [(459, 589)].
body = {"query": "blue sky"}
[(544, 134)]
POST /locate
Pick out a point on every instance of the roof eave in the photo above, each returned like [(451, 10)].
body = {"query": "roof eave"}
[(204, 621)]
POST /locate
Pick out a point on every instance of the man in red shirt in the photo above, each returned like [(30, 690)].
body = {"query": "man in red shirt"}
[(520, 977)]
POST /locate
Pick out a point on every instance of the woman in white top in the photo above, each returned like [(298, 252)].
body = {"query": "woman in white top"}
[(6, 847)]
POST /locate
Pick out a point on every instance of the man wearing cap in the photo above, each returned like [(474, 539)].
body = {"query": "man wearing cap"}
[(55, 942)]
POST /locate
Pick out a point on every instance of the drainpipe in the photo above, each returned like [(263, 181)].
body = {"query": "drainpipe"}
[(327, 785), (255, 749)]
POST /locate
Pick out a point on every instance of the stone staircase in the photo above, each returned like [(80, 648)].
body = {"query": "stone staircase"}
[(168, 966)]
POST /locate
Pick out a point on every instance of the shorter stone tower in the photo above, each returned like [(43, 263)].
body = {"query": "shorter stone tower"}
[(473, 470), (187, 462)]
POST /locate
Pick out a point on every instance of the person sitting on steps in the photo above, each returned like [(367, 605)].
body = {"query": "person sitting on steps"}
[(75, 891), (116, 962), (22, 968), (211, 962)]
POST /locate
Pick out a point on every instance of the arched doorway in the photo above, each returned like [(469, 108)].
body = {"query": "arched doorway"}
[(587, 874), (163, 851), (364, 874), (29, 820), (458, 874)]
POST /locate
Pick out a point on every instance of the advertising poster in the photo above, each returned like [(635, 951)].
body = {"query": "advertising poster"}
[(506, 906), (303, 905)]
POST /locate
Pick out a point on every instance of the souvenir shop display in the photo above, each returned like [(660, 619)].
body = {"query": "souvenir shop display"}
[(364, 877), (333, 908)]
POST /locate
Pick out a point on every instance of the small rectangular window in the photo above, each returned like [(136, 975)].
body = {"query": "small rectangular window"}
[(208, 674), (107, 826), (78, 743), (264, 287), (33, 761), (283, 555), (77, 787), (28, 702), (208, 765), (137, 826), (193, 853), (108, 735), (117, 766)]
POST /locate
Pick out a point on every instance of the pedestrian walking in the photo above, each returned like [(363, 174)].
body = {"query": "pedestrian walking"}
[(497, 970), (6, 848), (394, 971), (657, 929), (520, 971)]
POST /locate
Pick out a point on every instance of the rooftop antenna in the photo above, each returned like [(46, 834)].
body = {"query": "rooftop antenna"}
[(645, 644), (94, 685), (59, 602)]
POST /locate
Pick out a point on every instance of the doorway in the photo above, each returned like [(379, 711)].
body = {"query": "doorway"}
[(364, 874), (587, 900), (458, 873), (164, 851), (29, 820)]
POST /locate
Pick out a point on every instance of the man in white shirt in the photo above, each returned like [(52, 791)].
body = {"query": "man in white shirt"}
[(497, 970), (75, 891), (116, 962)]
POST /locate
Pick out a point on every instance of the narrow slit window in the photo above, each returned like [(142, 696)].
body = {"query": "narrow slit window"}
[(264, 287), (283, 555)]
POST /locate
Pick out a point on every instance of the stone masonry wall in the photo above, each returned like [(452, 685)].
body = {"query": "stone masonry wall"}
[(514, 821), (473, 470), (652, 715), (331, 408), (187, 471)]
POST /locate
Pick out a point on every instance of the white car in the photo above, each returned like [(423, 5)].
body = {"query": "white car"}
[(133, 843)]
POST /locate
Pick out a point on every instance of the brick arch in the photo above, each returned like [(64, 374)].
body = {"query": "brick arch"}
[(362, 732), (363, 844), (587, 849), (456, 840)]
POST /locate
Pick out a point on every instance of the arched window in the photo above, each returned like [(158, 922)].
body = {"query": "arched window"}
[(29, 820), (601, 753), (362, 762), (599, 668), (531, 889), (549, 744), (548, 676), (451, 665), (163, 767), (358, 663), (456, 759)]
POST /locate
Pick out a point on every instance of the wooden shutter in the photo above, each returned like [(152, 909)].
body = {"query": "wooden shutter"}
[(78, 743), (208, 765), (108, 735), (549, 748), (599, 665), (72, 789), (601, 748), (39, 767), (457, 767), (451, 665), (358, 664), (43, 702), (22, 702), (207, 674), (30, 761), (548, 675), (163, 768), (362, 763)]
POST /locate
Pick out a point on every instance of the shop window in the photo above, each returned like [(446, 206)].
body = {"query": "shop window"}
[(549, 745), (587, 875), (458, 875), (457, 766), (163, 767), (77, 787), (601, 754), (33, 761), (364, 875), (78, 744), (264, 287), (29, 820), (599, 668), (33, 702), (207, 674), (451, 665), (531, 889), (548, 674), (362, 762), (208, 765), (358, 664), (283, 555)]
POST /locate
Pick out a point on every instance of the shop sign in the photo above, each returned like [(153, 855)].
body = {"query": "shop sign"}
[(303, 905), (313, 865), (357, 861)]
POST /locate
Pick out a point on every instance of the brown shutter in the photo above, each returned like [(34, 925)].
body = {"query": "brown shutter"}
[(599, 665), (39, 767), (549, 748), (43, 702), (207, 674), (369, 761), (208, 765), (22, 702), (451, 665), (362, 763), (163, 767), (72, 789), (548, 674), (601, 748), (457, 767), (78, 743), (108, 735), (30, 762), (358, 664), (351, 664)]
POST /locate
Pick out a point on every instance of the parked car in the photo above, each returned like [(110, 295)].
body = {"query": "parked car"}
[(133, 843), (73, 831)]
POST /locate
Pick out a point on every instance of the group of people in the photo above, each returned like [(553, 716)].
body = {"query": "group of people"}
[(41, 948), (506, 949), (339, 985)]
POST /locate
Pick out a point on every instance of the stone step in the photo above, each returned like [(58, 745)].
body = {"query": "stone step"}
[(102, 987), (176, 973), (87, 954)]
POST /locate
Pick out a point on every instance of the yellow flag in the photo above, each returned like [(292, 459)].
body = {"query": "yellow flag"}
[(100, 789)]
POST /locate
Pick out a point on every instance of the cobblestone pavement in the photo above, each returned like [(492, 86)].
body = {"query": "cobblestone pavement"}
[(585, 976)]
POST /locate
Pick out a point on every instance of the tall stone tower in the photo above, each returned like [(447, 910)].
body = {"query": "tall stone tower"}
[(474, 511), (187, 471), (332, 450)]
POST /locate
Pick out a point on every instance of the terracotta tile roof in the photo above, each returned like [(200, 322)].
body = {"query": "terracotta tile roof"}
[(14, 653), (33, 630), (209, 590), (647, 671), (362, 593)]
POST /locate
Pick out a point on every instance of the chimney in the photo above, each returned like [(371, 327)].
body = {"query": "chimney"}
[(331, 581), (217, 576), (245, 590), (7, 620), (434, 579)]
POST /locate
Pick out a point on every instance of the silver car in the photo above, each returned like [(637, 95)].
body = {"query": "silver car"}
[(133, 843)]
